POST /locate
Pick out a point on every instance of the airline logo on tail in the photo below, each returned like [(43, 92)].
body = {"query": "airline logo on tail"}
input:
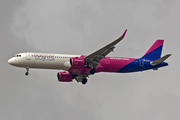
[(154, 51)]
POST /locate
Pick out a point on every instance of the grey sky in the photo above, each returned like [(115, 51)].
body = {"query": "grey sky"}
[(81, 27)]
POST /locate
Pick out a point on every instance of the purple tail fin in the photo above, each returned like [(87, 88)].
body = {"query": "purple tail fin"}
[(154, 51)]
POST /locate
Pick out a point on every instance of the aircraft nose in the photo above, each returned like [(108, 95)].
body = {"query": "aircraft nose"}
[(12, 61)]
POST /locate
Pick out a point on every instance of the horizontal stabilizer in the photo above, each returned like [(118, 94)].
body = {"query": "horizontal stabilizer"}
[(160, 60)]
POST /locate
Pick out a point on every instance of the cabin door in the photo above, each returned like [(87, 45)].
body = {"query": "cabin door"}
[(107, 59), (141, 62), (28, 56)]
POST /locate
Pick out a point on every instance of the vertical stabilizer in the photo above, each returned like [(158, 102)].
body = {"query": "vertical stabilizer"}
[(154, 51)]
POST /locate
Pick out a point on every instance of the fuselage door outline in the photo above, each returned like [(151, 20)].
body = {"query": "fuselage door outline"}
[(141, 62), (107, 60), (28, 56)]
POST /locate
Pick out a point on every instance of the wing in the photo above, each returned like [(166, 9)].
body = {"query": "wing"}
[(94, 58)]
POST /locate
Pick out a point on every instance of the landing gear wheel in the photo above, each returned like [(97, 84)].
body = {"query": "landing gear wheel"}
[(27, 73), (92, 71), (84, 81)]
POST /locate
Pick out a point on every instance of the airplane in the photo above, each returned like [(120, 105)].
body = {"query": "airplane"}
[(79, 67)]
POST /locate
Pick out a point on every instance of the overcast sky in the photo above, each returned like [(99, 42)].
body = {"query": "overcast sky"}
[(81, 27)]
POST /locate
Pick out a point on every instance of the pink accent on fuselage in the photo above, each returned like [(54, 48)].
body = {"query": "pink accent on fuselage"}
[(79, 69), (157, 44), (108, 64), (113, 64)]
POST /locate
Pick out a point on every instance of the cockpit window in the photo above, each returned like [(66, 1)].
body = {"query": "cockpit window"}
[(18, 56)]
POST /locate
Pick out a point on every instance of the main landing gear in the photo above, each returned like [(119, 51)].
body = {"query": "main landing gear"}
[(27, 71), (92, 71), (81, 78), (84, 81)]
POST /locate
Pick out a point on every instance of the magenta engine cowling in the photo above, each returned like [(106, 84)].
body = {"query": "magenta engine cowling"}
[(77, 62), (64, 77)]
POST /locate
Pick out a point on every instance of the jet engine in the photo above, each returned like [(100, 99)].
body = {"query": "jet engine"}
[(77, 62), (64, 77)]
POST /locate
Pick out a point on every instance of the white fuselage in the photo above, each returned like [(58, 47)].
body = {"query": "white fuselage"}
[(42, 60)]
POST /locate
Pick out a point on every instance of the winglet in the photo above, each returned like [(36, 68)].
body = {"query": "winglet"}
[(124, 34), (120, 38)]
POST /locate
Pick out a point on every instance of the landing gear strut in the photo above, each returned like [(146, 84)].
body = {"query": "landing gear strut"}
[(27, 71), (84, 81)]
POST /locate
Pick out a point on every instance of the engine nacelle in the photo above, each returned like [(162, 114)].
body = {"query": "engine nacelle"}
[(64, 77), (77, 62)]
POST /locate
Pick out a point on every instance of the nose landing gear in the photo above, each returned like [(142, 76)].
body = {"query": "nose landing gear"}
[(27, 71)]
